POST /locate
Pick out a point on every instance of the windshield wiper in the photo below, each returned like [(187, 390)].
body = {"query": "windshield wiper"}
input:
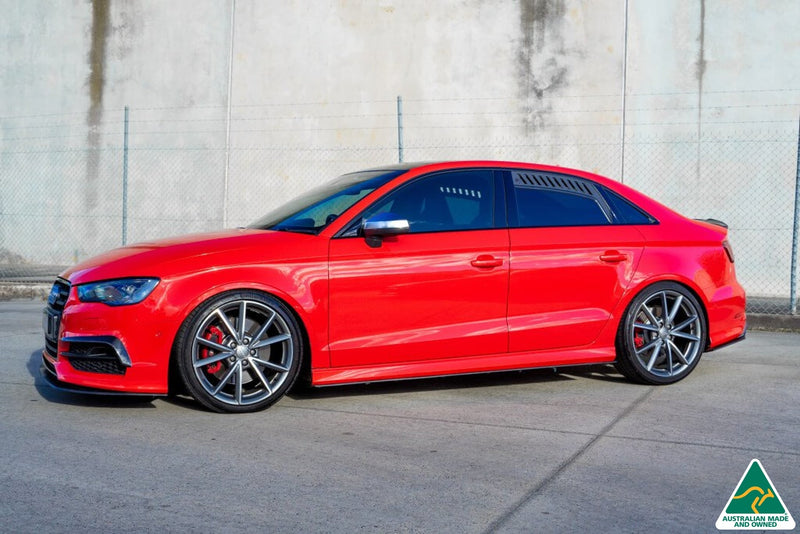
[(294, 229)]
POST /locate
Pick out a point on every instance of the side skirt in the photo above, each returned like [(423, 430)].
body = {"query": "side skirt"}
[(457, 366)]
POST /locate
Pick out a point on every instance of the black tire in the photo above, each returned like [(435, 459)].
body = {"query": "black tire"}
[(230, 365), (661, 336)]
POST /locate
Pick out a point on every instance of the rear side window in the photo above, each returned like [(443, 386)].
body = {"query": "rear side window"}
[(545, 199), (625, 211)]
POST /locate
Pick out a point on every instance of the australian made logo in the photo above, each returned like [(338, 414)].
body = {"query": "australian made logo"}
[(755, 504)]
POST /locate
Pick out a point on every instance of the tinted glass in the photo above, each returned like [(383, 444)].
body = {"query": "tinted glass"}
[(316, 209), (542, 207), (458, 200), (626, 212)]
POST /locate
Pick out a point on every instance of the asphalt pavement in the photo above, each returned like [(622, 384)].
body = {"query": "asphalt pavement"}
[(579, 450)]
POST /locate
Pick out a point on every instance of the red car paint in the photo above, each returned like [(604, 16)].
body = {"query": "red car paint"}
[(419, 305)]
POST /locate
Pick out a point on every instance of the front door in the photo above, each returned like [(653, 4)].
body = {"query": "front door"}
[(437, 292)]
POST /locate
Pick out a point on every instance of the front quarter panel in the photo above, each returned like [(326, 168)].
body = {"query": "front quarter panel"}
[(303, 285), (148, 329)]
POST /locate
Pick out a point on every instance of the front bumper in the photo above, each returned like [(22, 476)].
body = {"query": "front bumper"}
[(48, 372), (105, 349)]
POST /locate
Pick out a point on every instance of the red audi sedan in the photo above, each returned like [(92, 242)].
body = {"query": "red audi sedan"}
[(407, 271)]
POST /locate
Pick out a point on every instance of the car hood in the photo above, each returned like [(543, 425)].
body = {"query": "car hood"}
[(191, 253)]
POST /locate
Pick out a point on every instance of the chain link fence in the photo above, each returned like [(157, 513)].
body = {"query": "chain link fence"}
[(71, 191)]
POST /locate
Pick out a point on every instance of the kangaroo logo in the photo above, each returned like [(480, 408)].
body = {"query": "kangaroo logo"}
[(759, 500)]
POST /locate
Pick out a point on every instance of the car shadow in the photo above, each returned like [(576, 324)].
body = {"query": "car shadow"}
[(605, 373)]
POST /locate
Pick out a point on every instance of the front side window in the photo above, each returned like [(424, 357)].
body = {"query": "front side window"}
[(448, 201), (316, 209)]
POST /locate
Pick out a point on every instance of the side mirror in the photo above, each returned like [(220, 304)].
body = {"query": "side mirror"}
[(379, 226)]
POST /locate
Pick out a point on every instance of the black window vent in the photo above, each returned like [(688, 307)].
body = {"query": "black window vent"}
[(552, 181)]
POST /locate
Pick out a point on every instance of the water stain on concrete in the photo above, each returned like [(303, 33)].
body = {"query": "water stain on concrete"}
[(700, 71), (540, 57), (701, 52), (97, 53)]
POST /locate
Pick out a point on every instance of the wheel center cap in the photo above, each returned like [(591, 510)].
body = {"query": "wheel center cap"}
[(242, 352), (663, 333)]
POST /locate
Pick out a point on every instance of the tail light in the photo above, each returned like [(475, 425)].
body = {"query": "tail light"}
[(728, 249)]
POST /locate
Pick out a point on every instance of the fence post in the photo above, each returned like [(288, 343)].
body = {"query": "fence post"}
[(229, 106), (795, 230), (125, 182), (624, 95), (400, 129)]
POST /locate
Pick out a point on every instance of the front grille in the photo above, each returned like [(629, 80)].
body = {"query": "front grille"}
[(58, 295), (51, 346), (49, 367), (97, 365), (56, 301)]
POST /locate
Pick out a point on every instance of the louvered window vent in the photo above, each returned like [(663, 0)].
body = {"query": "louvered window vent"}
[(552, 181)]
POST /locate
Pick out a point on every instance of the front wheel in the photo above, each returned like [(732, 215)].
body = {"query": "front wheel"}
[(239, 352), (662, 335)]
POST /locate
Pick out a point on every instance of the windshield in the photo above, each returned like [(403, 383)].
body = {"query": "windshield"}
[(316, 209)]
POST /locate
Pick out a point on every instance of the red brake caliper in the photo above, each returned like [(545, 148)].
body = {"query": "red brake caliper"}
[(638, 341), (212, 334)]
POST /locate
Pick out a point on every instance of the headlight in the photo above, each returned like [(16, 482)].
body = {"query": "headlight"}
[(117, 292)]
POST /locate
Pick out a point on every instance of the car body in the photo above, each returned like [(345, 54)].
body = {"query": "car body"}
[(406, 271)]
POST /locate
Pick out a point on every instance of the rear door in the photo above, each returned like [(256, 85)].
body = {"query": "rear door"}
[(571, 261), (437, 292)]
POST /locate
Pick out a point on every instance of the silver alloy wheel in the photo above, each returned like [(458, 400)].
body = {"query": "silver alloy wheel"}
[(242, 352), (666, 334)]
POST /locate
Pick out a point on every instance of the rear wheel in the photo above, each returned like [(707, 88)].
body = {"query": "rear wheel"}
[(662, 335), (239, 352)]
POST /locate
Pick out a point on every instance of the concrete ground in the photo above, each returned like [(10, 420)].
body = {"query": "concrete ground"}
[(581, 450)]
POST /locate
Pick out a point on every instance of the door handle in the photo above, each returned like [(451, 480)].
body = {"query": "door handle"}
[(612, 256), (486, 261)]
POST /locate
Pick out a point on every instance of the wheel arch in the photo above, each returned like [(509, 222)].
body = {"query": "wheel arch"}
[(629, 361), (695, 290), (174, 382)]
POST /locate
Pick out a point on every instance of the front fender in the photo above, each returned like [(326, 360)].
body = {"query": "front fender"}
[(302, 286)]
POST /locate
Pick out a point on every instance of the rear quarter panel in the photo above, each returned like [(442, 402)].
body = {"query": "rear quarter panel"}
[(691, 253)]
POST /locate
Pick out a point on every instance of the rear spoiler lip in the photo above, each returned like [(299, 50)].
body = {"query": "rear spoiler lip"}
[(715, 222)]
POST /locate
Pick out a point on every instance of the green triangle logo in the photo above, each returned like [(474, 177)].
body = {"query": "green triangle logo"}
[(755, 504), (755, 494)]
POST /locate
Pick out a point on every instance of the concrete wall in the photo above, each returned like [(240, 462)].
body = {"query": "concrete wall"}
[(237, 106)]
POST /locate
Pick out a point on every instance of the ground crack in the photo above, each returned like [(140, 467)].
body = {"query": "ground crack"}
[(495, 525)]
